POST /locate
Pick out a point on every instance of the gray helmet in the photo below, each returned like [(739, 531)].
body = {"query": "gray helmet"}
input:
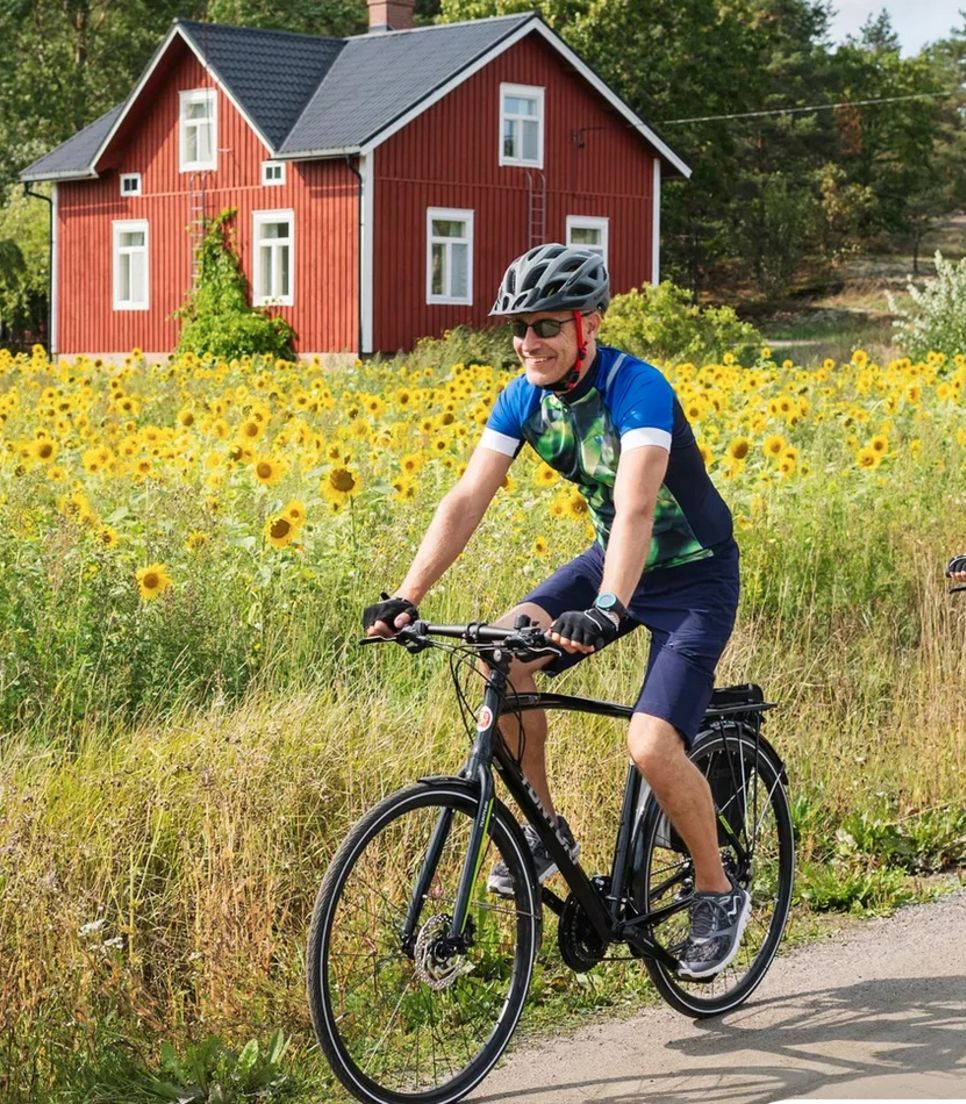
[(554, 277)]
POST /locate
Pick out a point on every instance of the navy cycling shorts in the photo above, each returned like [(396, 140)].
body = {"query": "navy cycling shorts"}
[(690, 612)]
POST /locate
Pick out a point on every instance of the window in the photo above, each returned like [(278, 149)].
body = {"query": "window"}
[(130, 265), (198, 130), (130, 184), (449, 256), (521, 125), (273, 172), (588, 232), (274, 262)]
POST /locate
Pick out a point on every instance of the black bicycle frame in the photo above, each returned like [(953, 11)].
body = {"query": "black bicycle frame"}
[(603, 911)]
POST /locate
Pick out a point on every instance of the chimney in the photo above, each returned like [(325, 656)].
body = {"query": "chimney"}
[(390, 15)]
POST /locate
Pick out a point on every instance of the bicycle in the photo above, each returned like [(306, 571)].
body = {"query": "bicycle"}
[(417, 977)]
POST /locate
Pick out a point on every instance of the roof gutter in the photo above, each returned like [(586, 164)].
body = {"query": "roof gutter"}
[(69, 174), (50, 260)]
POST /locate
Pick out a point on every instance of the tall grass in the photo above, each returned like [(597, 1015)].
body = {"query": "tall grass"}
[(158, 862)]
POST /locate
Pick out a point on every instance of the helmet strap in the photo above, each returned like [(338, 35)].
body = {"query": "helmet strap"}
[(572, 378)]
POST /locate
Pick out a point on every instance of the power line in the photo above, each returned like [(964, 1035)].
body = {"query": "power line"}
[(802, 110)]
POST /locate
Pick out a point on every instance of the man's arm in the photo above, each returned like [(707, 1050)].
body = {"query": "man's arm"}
[(455, 520), (640, 473)]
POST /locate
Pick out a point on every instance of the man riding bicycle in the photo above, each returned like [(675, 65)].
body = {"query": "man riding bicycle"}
[(664, 557)]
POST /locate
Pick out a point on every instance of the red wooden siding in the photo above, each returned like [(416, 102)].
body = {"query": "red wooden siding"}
[(448, 157), (323, 196)]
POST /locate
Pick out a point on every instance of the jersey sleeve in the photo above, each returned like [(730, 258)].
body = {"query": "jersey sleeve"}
[(504, 427), (641, 405)]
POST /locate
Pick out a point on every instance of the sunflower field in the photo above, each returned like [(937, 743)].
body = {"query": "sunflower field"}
[(187, 727)]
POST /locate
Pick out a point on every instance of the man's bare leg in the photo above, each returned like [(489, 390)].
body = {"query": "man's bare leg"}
[(682, 792)]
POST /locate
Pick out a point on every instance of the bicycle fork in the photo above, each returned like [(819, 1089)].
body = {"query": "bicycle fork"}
[(477, 769)]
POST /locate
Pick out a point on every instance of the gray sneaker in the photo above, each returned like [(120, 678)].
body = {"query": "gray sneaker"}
[(717, 923), (500, 880)]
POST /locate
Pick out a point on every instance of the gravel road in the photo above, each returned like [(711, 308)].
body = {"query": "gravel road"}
[(876, 1012)]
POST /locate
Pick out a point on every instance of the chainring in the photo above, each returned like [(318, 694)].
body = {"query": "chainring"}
[(580, 946)]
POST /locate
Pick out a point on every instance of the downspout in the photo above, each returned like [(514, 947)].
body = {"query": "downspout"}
[(51, 352), (359, 273)]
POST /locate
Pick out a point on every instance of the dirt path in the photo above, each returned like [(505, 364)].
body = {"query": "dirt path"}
[(878, 1012)]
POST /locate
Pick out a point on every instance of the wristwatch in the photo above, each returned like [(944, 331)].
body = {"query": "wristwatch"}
[(610, 603)]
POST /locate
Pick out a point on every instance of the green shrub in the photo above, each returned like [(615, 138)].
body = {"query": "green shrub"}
[(661, 323), (218, 318), (936, 319), (463, 345)]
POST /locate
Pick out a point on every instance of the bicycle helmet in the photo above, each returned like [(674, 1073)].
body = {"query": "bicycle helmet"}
[(554, 277)]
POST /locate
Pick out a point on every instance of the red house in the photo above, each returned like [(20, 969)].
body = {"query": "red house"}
[(382, 182)]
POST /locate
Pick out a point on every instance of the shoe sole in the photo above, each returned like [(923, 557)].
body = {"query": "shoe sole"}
[(712, 971), (502, 890)]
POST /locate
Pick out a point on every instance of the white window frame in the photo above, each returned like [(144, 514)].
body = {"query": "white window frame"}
[(193, 96), (449, 214), (130, 178), (527, 91), (589, 222), (129, 226), (259, 219), (268, 167)]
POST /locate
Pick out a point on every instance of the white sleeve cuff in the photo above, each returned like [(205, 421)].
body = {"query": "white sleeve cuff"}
[(646, 435), (499, 442)]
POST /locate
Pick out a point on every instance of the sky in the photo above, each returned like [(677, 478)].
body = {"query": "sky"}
[(915, 21)]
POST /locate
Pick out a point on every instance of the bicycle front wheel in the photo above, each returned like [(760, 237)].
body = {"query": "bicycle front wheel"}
[(757, 850), (408, 1017)]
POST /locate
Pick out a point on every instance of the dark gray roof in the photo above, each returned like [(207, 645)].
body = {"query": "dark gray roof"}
[(378, 77), (75, 156), (271, 74), (313, 96)]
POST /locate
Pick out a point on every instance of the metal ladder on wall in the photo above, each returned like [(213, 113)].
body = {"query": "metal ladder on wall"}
[(197, 219), (536, 208)]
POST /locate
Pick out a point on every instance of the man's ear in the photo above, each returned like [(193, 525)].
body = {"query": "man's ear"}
[(592, 324)]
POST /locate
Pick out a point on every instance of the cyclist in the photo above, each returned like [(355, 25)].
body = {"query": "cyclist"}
[(664, 557), (956, 569)]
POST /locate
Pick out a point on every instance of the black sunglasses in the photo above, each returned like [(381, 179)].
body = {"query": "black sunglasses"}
[(543, 327)]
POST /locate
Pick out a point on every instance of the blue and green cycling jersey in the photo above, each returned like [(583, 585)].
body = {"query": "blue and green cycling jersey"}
[(621, 403)]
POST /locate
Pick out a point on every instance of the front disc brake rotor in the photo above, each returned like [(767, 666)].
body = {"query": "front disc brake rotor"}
[(437, 963)]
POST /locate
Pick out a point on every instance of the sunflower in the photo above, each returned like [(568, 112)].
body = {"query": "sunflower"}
[(268, 470), (152, 580), (107, 536), (279, 531), (45, 450), (411, 463), (195, 539), (540, 547), (880, 444), (340, 484), (250, 430), (739, 448), (545, 476), (294, 510), (577, 505), (868, 458), (774, 445)]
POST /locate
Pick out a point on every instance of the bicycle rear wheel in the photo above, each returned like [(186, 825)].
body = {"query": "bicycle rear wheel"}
[(406, 1021), (746, 780)]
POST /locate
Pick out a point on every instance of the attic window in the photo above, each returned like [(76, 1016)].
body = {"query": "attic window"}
[(521, 125), (198, 130), (273, 172), (130, 184)]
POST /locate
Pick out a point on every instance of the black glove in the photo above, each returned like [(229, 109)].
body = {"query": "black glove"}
[(956, 564), (592, 627), (387, 611)]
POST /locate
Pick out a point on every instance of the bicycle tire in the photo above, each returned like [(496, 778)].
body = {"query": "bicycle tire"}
[(358, 967), (664, 875)]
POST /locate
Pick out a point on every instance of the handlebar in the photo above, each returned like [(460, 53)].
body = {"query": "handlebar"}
[(525, 641)]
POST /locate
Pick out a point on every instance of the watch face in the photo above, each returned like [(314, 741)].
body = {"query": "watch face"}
[(606, 601)]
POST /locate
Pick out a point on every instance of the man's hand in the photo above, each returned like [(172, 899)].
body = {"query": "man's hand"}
[(585, 631), (385, 618), (956, 569)]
